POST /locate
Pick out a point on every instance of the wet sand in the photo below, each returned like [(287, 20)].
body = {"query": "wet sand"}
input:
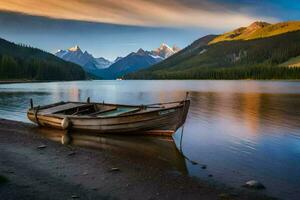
[(56, 171)]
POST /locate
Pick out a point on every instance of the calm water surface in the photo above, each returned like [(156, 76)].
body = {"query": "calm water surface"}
[(241, 130)]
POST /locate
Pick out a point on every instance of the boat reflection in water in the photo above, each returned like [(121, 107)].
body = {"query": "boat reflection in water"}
[(159, 148)]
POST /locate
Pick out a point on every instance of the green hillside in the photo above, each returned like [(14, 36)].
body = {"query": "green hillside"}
[(19, 62), (258, 30), (237, 59)]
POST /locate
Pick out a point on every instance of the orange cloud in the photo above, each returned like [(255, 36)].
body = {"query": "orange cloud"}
[(133, 12)]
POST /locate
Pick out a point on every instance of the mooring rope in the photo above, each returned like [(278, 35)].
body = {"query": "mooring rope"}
[(181, 137), (181, 150)]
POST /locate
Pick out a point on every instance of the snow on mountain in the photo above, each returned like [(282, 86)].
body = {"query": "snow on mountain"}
[(76, 48), (165, 51), (88, 62), (156, 57), (117, 59), (61, 53), (103, 63)]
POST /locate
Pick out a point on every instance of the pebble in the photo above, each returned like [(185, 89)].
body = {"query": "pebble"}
[(42, 146), (203, 167), (210, 175), (194, 162), (254, 184), (71, 153), (75, 196), (85, 173), (114, 169)]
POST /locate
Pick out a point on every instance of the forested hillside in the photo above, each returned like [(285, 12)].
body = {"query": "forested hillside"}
[(237, 59), (18, 62)]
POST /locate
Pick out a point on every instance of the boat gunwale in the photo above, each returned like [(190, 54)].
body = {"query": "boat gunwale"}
[(136, 121), (60, 116)]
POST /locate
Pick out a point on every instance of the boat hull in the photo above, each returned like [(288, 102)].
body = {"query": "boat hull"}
[(160, 122)]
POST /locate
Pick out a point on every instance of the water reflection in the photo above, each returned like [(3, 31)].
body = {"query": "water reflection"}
[(147, 147), (252, 110)]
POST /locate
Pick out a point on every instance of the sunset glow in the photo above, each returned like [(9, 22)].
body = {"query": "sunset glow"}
[(136, 12)]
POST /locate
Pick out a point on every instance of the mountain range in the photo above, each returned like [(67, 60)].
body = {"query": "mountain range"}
[(259, 51), (84, 59), (106, 69), (136, 61)]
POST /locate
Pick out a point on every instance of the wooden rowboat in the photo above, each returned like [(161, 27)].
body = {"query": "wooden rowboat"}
[(160, 118)]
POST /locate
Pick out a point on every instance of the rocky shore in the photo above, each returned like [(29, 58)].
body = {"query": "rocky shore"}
[(34, 167)]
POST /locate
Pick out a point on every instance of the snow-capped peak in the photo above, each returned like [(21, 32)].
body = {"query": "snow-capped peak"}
[(165, 46), (76, 48), (165, 51), (84, 59), (61, 53)]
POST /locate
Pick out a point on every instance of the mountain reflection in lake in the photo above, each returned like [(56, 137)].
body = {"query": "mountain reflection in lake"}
[(241, 130)]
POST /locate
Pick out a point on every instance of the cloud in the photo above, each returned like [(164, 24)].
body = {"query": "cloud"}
[(168, 13)]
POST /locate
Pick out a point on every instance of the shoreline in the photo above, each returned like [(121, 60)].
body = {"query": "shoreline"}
[(35, 165), (34, 81), (45, 81)]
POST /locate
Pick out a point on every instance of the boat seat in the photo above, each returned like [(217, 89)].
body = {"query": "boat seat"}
[(61, 108), (119, 111), (103, 110)]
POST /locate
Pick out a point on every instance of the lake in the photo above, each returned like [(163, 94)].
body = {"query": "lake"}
[(241, 130)]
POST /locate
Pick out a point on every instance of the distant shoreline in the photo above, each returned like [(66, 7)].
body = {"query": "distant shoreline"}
[(17, 81), (34, 81), (41, 81)]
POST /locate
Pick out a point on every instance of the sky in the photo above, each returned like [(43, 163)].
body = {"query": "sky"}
[(111, 28)]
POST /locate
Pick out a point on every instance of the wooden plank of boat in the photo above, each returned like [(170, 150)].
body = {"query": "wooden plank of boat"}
[(119, 111), (60, 108)]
